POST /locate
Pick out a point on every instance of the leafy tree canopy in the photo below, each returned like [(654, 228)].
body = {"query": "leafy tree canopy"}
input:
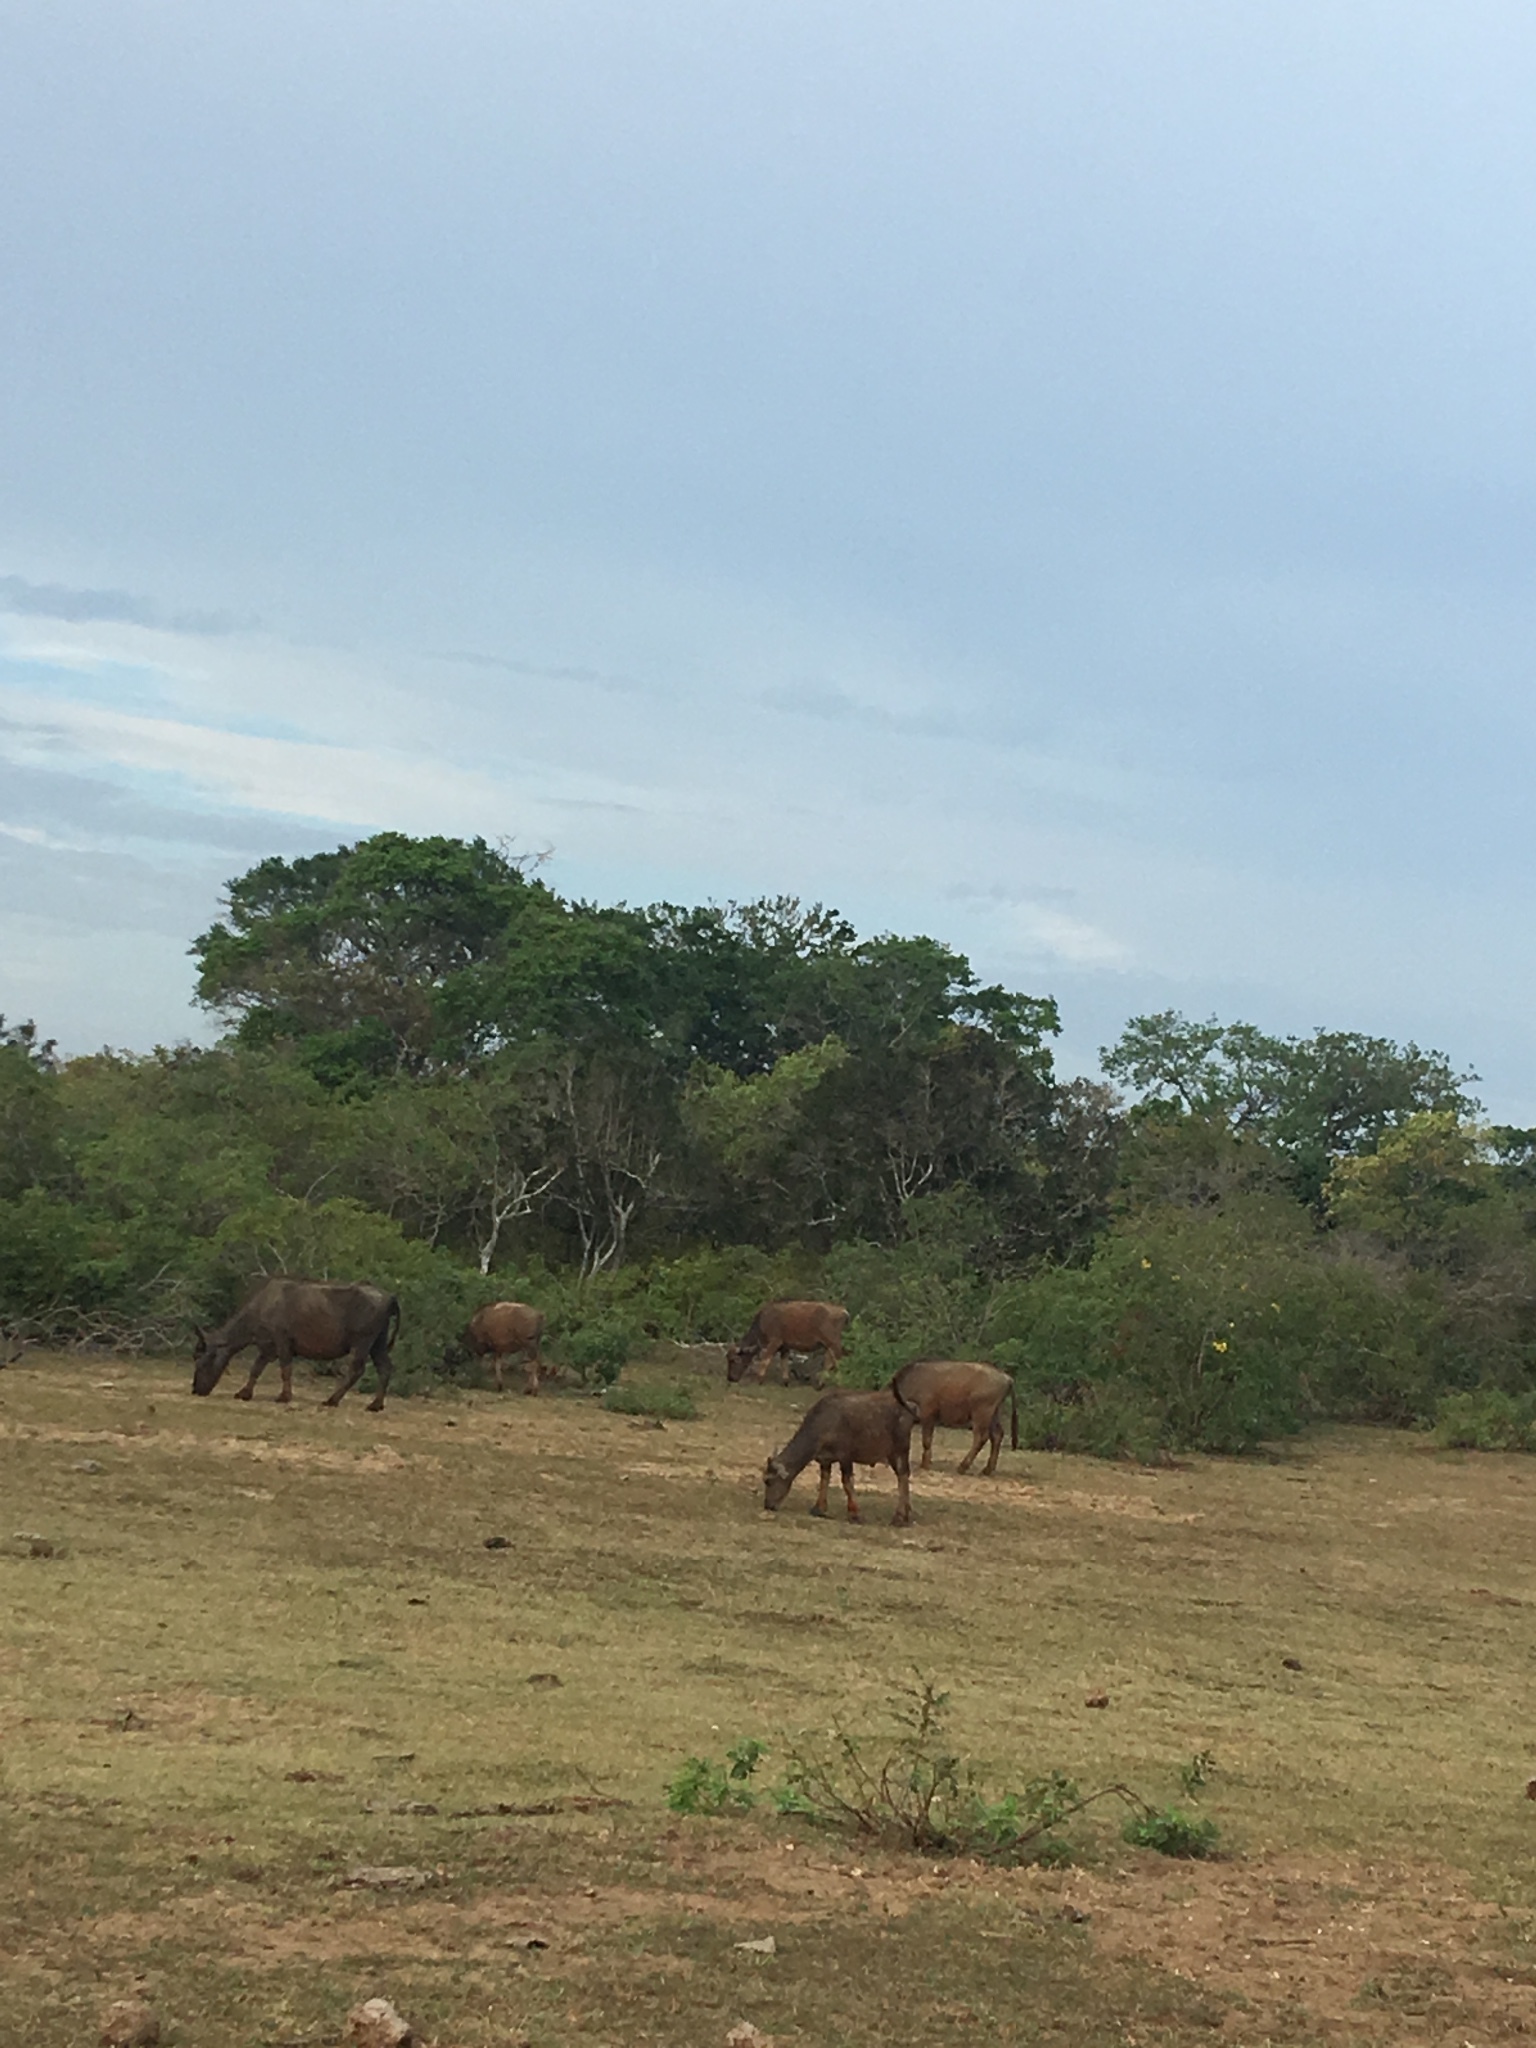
[(1312, 1100)]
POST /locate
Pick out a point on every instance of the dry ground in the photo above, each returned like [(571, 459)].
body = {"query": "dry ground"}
[(263, 1635)]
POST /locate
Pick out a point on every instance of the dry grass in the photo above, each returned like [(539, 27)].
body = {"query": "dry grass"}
[(242, 1593)]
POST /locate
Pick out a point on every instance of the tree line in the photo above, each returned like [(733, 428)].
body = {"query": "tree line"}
[(437, 1072)]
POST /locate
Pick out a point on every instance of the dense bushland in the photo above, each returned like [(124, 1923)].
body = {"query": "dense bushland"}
[(439, 1074)]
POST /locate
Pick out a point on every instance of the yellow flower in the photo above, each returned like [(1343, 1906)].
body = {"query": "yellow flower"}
[(1218, 1343), (1146, 1265)]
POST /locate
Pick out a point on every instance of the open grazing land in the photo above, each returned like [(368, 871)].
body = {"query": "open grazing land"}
[(281, 1731)]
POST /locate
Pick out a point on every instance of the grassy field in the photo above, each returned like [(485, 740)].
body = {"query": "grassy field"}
[(247, 1650)]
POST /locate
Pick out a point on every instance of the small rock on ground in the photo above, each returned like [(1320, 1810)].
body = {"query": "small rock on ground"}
[(388, 1877), (376, 2024), (747, 2036), (130, 2023)]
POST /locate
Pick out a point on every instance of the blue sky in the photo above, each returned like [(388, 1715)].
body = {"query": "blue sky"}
[(1060, 477)]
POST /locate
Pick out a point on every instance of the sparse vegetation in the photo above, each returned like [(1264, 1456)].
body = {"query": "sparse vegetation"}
[(669, 1404), (1172, 1833), (1195, 1775), (702, 1786), (906, 1785)]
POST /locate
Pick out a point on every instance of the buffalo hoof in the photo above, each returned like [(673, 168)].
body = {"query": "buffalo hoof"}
[(285, 1398), (331, 1401), (854, 1515), (819, 1511), (245, 1394), (376, 1406)]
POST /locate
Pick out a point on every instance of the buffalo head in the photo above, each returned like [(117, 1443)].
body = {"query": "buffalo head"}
[(738, 1360), (777, 1480), (208, 1363)]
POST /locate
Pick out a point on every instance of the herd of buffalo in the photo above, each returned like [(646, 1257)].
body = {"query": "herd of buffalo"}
[(328, 1320)]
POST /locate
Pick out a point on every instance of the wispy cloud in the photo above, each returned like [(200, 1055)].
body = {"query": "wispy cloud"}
[(111, 607), (1072, 940), (834, 706), (595, 678)]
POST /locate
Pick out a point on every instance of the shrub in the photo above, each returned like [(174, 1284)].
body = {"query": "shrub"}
[(703, 1786), (907, 1785), (1488, 1420), (1171, 1833), (675, 1404), (600, 1350)]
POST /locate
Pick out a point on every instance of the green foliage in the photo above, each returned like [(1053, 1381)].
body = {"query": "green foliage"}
[(1172, 1833), (600, 1350), (1487, 1420), (703, 1786), (1312, 1099), (672, 1404), (908, 1785), (1427, 1189)]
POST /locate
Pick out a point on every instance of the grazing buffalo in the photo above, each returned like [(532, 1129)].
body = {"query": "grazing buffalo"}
[(847, 1429), (500, 1331), (956, 1393), (288, 1319), (780, 1327)]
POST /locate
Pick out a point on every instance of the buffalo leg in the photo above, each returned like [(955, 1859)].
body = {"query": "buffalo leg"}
[(531, 1370), (248, 1391), (903, 1471), (819, 1504), (383, 1365), (978, 1438), (995, 1434), (354, 1373), (501, 1384), (285, 1367), (846, 1469), (928, 1428)]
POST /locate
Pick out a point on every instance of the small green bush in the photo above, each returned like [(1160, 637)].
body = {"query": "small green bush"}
[(908, 1786), (1488, 1420), (704, 1786), (600, 1350), (675, 1404), (1172, 1833)]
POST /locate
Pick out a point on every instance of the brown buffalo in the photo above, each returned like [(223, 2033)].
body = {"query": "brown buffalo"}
[(780, 1327), (847, 1429), (288, 1319), (956, 1393), (500, 1331)]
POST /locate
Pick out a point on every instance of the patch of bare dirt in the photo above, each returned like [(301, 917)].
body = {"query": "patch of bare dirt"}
[(1368, 1951), (1342, 1950)]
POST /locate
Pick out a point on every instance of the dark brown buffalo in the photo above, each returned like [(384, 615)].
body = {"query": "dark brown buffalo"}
[(780, 1327), (847, 1429), (955, 1393), (500, 1331), (288, 1319)]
